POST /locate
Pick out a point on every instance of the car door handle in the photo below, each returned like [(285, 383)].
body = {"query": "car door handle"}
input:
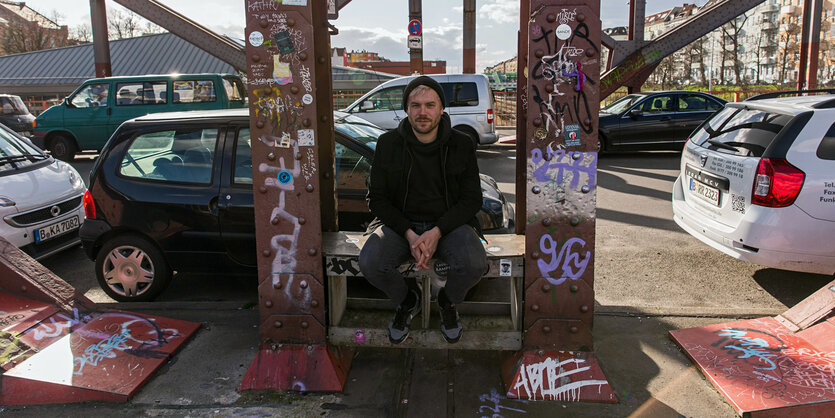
[(213, 205)]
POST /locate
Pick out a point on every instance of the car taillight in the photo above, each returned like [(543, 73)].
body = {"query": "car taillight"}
[(489, 115), (777, 183), (89, 206)]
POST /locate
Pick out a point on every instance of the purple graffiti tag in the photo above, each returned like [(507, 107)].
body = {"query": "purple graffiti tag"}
[(578, 72), (572, 266), (563, 162)]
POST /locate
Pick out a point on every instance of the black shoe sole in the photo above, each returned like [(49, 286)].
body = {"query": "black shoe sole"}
[(450, 340)]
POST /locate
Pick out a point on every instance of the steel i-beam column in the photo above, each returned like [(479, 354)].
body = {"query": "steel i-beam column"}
[(101, 46), (814, 43), (563, 75), (291, 127), (469, 37), (415, 54)]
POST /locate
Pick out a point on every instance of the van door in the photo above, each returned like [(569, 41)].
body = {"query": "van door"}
[(87, 113), (136, 98), (383, 108), (236, 209)]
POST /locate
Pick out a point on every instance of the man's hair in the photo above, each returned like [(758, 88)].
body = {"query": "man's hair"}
[(421, 89)]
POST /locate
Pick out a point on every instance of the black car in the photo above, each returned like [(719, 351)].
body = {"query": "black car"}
[(15, 115), (173, 192), (654, 120)]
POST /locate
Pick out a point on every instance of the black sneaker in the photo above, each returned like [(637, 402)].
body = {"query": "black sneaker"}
[(451, 327), (399, 326)]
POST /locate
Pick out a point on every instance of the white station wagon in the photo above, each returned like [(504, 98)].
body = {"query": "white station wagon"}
[(757, 182), (40, 198)]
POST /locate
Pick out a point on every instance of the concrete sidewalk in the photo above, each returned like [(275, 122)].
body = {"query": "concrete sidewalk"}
[(647, 371)]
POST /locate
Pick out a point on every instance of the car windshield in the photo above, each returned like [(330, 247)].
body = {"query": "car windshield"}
[(359, 130), (13, 105), (622, 104), (741, 131), (17, 153)]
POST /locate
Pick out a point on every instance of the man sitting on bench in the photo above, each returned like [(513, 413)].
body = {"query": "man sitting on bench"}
[(424, 193)]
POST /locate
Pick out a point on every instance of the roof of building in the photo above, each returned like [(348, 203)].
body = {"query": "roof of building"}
[(69, 66)]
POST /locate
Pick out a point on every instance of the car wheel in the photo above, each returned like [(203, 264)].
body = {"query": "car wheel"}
[(131, 269), (600, 145), (62, 148)]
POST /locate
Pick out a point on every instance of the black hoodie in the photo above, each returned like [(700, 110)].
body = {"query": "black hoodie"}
[(391, 173)]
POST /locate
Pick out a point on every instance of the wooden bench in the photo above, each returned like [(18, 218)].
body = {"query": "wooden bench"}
[(362, 323)]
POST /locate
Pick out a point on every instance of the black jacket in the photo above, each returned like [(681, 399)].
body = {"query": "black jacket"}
[(389, 179)]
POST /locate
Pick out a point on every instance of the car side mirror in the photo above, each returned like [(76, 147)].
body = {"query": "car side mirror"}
[(67, 102), (366, 106), (634, 113)]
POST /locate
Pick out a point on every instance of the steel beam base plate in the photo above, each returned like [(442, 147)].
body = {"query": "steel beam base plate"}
[(301, 368), (764, 369), (556, 375)]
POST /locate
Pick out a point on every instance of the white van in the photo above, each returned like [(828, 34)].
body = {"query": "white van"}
[(469, 103)]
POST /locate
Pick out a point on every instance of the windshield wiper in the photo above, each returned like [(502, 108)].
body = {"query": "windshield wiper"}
[(720, 144)]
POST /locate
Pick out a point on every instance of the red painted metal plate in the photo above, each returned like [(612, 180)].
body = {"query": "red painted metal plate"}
[(760, 365), (106, 351), (302, 368), (556, 375)]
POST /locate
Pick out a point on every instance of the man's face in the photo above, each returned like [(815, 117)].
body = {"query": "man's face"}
[(425, 111)]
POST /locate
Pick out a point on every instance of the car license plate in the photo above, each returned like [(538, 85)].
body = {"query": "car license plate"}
[(58, 228), (711, 194)]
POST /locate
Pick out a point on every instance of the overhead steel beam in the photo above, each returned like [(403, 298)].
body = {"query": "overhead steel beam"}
[(101, 45), (202, 37), (469, 37), (415, 54), (694, 28)]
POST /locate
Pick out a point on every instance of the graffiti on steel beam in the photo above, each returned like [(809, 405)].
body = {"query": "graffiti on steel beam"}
[(492, 405), (550, 379), (630, 65), (559, 166), (570, 260), (561, 51)]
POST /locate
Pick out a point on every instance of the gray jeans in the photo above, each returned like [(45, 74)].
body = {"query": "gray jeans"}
[(385, 250)]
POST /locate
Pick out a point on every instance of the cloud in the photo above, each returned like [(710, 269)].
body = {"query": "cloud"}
[(500, 11)]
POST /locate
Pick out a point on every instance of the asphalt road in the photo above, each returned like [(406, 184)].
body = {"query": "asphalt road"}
[(643, 262)]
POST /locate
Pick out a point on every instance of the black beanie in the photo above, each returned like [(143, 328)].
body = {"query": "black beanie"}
[(425, 81)]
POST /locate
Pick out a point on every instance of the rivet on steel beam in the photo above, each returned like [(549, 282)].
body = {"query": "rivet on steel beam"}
[(573, 288), (314, 303), (584, 308), (585, 188), (541, 352), (311, 251), (326, 175), (573, 330), (294, 89), (277, 284), (581, 17), (537, 121), (304, 324), (303, 284), (271, 156), (275, 220), (576, 155), (306, 122), (291, 22), (589, 52), (277, 324), (535, 308), (309, 188), (534, 254), (323, 118), (549, 88), (268, 304), (259, 124), (256, 58), (551, 18), (587, 121), (266, 253), (546, 329), (23, 288), (574, 221), (262, 189), (263, 23), (539, 53), (302, 56), (546, 287), (302, 220), (322, 60), (546, 221), (536, 189)]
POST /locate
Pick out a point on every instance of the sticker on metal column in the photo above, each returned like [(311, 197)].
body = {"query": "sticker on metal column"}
[(359, 335), (505, 267), (306, 138), (572, 135), (294, 2), (563, 32), (284, 177), (256, 39), (281, 71), (307, 99), (540, 133), (283, 42)]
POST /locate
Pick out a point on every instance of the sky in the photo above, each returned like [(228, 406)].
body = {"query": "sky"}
[(381, 25)]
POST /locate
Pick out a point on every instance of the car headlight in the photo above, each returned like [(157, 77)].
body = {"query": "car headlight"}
[(75, 179)]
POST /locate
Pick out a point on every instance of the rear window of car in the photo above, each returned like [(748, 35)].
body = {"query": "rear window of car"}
[(460, 94), (181, 156), (140, 93), (194, 91), (826, 149), (741, 131)]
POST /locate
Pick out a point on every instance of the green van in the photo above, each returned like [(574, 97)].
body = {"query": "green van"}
[(88, 116)]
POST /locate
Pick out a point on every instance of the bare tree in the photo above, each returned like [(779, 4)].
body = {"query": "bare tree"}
[(695, 54), (81, 34), (731, 46), (124, 24), (787, 48)]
